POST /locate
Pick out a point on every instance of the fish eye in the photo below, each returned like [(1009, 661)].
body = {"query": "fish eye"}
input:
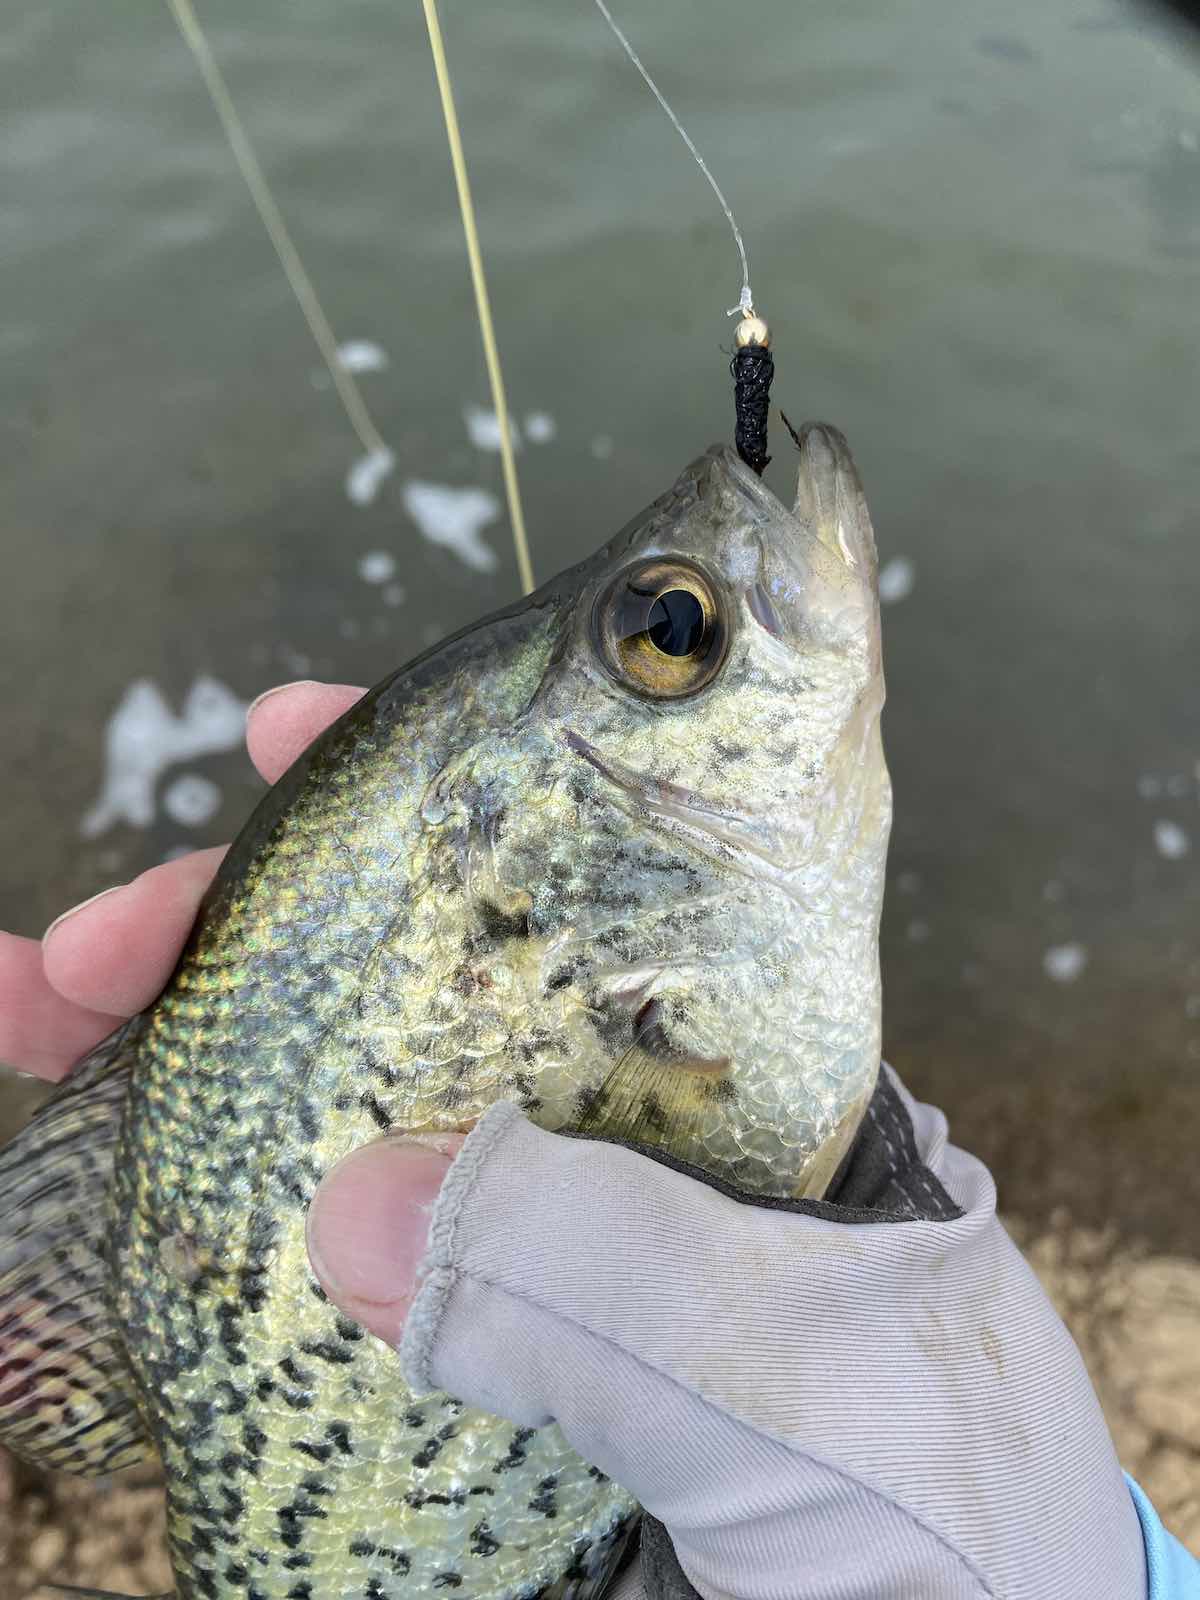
[(676, 623), (660, 630)]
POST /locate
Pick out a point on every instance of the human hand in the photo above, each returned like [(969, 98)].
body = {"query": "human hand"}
[(107, 959), (808, 1402)]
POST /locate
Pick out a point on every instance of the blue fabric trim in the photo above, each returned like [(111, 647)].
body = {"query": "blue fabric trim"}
[(1172, 1572)]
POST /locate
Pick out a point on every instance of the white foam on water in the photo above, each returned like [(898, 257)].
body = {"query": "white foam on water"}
[(377, 566), (1065, 962), (455, 518), (366, 476), (192, 800), (540, 427), (362, 355), (144, 737), (483, 428), (1170, 840), (896, 580)]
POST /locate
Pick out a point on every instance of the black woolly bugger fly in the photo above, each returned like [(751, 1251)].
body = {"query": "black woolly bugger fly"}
[(752, 369)]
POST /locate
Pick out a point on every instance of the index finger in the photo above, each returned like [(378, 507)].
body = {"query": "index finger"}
[(107, 959)]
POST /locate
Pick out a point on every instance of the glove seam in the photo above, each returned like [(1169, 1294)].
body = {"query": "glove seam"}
[(820, 1210), (839, 1471), (915, 1171), (438, 1273)]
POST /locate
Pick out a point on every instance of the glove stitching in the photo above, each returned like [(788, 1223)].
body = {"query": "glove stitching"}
[(909, 1210), (908, 1158), (843, 1473), (438, 1273)]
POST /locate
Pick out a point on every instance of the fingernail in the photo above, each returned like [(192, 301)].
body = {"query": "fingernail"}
[(446, 1144), (280, 688), (368, 1228), (82, 906)]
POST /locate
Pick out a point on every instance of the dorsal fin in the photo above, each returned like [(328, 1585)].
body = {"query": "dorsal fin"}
[(67, 1398)]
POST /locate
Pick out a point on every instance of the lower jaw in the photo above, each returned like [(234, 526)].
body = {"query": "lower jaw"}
[(805, 1179)]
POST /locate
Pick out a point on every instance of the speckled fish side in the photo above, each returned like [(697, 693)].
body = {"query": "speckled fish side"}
[(616, 854)]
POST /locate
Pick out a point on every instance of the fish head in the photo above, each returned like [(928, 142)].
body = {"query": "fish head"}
[(689, 820)]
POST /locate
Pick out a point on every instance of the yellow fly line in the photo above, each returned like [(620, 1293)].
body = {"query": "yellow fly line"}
[(302, 285), (482, 304)]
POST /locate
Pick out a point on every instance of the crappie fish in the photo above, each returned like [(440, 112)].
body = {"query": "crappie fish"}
[(615, 853)]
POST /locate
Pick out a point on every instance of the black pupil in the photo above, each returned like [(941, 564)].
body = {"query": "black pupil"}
[(676, 622)]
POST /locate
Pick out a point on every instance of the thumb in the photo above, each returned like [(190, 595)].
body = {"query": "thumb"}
[(656, 1321), (489, 1271), (368, 1226)]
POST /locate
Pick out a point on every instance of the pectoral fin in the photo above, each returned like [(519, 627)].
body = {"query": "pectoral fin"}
[(67, 1400)]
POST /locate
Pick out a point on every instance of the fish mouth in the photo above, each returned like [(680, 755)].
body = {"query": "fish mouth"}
[(734, 837)]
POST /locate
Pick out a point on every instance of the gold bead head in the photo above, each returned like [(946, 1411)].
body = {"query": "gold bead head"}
[(752, 330)]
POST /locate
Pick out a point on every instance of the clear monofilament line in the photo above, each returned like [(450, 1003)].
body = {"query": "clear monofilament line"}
[(745, 303), (272, 219), (302, 285)]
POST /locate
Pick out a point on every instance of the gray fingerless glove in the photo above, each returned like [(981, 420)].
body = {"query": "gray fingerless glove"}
[(835, 1402)]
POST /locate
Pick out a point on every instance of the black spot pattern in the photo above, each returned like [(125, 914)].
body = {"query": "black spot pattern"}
[(330, 993)]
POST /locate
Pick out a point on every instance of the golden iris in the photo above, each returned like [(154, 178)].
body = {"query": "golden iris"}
[(660, 628)]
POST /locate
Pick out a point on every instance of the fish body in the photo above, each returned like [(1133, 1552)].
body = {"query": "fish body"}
[(615, 853)]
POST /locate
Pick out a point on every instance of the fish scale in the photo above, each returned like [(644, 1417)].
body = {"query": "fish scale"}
[(635, 889), (271, 1408)]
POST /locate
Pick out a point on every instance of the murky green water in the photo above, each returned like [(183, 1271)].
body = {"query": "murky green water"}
[(977, 236)]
